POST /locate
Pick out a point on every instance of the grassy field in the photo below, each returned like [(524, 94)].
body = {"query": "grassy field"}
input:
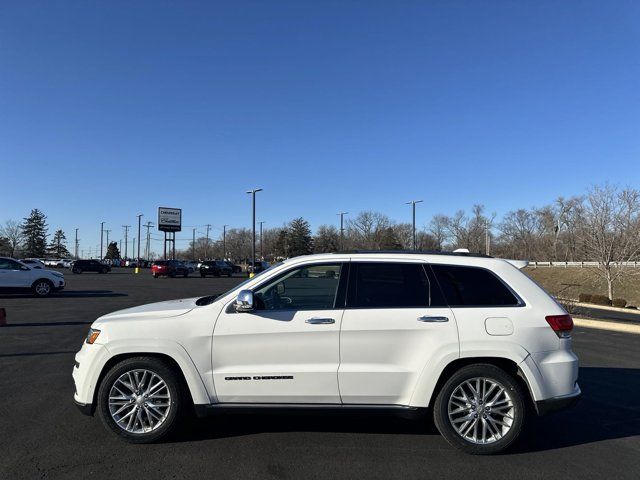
[(556, 280)]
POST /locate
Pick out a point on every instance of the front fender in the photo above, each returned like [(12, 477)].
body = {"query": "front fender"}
[(156, 346)]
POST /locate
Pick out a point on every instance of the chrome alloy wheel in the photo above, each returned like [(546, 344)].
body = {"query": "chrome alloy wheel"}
[(43, 288), (139, 401), (481, 410)]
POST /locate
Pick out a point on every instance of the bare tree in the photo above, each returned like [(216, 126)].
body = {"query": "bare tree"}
[(438, 230), (12, 231), (610, 231)]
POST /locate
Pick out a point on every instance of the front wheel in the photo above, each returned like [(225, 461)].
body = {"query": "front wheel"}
[(42, 288), (480, 409), (140, 399)]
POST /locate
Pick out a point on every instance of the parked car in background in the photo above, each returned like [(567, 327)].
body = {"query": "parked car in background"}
[(471, 340), (80, 266), (215, 268), (54, 262), (234, 268), (169, 268), (192, 265), (17, 277), (33, 262), (260, 266), (66, 263)]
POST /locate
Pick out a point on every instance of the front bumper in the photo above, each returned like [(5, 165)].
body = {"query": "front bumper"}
[(554, 404)]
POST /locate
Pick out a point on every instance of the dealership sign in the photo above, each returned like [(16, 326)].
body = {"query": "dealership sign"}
[(169, 219)]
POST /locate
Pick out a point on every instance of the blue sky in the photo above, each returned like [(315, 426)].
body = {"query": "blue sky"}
[(110, 109)]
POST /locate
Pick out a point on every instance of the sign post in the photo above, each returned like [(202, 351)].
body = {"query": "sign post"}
[(170, 221)]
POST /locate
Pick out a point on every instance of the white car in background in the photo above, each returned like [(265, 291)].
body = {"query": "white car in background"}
[(471, 338), (33, 262), (17, 277)]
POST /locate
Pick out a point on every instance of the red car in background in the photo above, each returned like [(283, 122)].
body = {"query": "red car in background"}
[(169, 268)]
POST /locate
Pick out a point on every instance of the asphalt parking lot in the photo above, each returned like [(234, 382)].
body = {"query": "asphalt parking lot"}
[(44, 436)]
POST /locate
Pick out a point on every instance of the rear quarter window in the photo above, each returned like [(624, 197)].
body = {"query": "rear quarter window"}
[(473, 286)]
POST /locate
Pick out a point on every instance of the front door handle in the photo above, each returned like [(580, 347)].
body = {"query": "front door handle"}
[(427, 318), (320, 321)]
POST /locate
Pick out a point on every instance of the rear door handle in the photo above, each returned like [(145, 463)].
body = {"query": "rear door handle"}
[(428, 319), (320, 321)]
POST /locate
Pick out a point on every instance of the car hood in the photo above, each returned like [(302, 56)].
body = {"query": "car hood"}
[(171, 308)]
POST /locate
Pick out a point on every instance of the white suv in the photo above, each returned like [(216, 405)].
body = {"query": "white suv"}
[(470, 337), (16, 276)]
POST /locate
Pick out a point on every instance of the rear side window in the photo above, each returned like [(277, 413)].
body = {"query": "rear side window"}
[(392, 285), (471, 286)]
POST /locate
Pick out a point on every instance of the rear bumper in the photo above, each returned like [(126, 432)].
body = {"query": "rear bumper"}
[(554, 404)]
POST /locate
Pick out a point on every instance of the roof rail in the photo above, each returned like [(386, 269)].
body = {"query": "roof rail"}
[(420, 252)]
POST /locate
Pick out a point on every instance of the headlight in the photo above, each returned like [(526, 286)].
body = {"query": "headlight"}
[(92, 336)]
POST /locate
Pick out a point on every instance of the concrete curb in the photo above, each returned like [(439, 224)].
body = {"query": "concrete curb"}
[(607, 325), (600, 307)]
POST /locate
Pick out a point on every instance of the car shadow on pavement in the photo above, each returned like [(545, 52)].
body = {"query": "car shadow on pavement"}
[(609, 409)]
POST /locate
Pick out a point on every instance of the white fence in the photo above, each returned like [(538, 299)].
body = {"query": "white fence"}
[(580, 264)]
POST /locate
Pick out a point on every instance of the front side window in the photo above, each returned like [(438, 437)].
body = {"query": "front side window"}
[(392, 285), (312, 287), (472, 286)]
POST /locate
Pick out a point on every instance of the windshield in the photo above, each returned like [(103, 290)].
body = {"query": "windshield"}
[(250, 279)]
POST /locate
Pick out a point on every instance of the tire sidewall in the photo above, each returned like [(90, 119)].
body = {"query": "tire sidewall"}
[(441, 414), (173, 383)]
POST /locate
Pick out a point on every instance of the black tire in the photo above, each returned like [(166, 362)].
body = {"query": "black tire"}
[(174, 386), (77, 270), (511, 387), (202, 275), (42, 288), (155, 275), (104, 270), (186, 274)]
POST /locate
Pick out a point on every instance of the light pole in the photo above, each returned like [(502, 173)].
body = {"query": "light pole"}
[(253, 242), (139, 242), (126, 239), (193, 244), (261, 251), (224, 242), (206, 245), (107, 232), (76, 255), (148, 244), (342, 214), (413, 207), (101, 237)]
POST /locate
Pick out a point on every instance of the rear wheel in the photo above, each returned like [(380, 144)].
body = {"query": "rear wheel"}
[(140, 399), (42, 288), (480, 409)]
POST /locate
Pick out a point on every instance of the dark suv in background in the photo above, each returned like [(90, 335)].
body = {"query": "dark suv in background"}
[(80, 266), (215, 268)]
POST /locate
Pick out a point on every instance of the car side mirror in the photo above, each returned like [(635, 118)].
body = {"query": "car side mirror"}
[(244, 302), (280, 288)]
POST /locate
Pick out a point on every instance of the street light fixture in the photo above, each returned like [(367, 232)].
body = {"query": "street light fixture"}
[(413, 207), (253, 242)]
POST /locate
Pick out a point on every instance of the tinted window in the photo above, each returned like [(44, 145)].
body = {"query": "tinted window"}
[(312, 287), (465, 286), (392, 285)]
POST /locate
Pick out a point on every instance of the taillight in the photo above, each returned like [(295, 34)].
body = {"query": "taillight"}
[(561, 324)]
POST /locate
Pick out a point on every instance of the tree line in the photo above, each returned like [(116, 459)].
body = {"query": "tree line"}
[(602, 225), (28, 239)]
